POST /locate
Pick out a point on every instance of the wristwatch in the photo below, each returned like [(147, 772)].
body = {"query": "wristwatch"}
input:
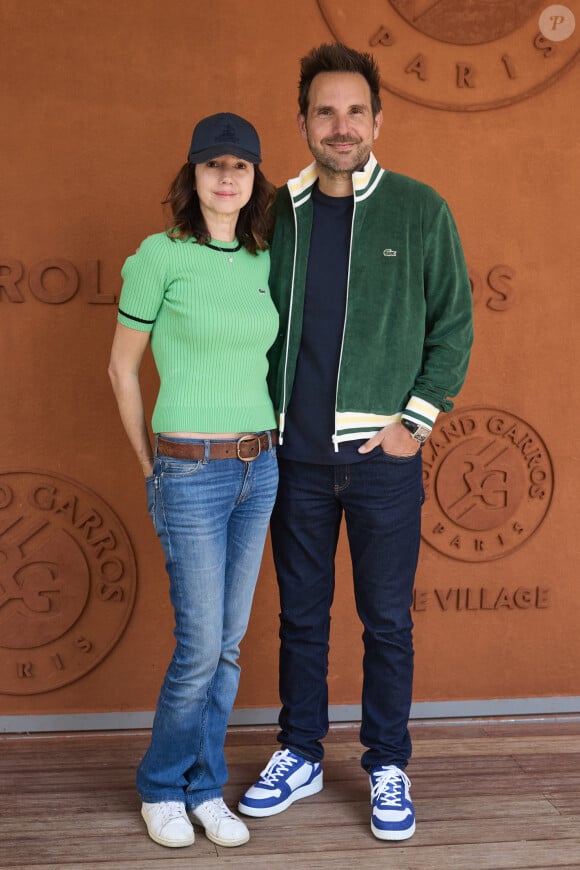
[(418, 432)]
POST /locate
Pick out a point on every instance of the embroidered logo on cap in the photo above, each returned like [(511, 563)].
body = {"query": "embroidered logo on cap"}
[(228, 135)]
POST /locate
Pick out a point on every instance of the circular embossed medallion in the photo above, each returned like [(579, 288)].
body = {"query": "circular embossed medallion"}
[(488, 483), (67, 581), (459, 55), (466, 23)]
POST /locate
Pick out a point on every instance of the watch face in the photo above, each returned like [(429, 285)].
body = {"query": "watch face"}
[(418, 431)]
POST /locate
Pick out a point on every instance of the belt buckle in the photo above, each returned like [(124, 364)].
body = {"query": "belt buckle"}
[(248, 438)]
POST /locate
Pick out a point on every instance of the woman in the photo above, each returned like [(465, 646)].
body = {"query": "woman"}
[(201, 291)]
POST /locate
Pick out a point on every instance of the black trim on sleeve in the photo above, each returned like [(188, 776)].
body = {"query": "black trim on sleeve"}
[(130, 316)]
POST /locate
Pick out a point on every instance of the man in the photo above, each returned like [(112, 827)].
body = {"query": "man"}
[(376, 328)]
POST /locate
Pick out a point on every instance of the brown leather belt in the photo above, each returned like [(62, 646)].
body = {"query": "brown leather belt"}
[(247, 448)]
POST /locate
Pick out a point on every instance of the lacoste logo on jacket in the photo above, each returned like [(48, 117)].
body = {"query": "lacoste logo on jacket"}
[(388, 252)]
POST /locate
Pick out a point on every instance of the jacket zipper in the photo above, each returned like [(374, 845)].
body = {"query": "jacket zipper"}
[(282, 420), (335, 436)]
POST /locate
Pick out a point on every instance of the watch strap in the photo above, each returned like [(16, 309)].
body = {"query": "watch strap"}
[(418, 431)]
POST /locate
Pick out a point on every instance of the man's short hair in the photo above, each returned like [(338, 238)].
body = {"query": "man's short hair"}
[(338, 58)]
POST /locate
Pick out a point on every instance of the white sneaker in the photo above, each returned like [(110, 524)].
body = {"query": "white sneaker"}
[(167, 823), (221, 825)]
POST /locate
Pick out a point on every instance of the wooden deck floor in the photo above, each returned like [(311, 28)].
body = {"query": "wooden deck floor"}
[(489, 795)]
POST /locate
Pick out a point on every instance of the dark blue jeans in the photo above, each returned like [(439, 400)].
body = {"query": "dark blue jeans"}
[(381, 500)]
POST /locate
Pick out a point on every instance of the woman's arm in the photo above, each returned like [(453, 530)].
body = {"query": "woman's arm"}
[(126, 354)]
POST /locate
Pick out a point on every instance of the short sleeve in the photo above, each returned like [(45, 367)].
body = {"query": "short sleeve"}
[(144, 279)]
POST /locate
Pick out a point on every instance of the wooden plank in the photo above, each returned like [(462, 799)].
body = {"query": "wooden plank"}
[(485, 800), (510, 856)]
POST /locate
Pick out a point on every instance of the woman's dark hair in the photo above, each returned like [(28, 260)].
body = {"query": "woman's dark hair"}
[(338, 58), (254, 225)]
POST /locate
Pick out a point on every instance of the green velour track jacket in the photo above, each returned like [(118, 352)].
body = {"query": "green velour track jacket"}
[(408, 325)]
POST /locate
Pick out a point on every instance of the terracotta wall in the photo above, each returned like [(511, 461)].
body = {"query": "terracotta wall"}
[(98, 102)]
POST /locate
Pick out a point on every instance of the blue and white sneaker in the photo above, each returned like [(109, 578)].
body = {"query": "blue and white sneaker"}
[(285, 779), (393, 816)]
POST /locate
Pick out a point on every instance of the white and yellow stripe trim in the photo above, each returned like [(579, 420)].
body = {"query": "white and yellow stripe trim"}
[(421, 411)]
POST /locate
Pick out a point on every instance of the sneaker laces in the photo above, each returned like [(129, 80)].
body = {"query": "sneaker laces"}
[(170, 810), (217, 809), (278, 766), (388, 784)]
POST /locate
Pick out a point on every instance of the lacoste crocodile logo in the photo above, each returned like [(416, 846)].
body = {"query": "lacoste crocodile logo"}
[(388, 252)]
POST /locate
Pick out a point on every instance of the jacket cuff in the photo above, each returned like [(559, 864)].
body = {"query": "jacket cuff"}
[(420, 411)]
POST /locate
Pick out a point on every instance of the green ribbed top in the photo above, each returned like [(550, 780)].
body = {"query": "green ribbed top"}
[(212, 322)]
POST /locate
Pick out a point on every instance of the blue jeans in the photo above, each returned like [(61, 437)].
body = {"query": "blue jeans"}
[(212, 518), (381, 499)]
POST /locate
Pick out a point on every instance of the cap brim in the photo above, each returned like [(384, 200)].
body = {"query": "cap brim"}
[(220, 151)]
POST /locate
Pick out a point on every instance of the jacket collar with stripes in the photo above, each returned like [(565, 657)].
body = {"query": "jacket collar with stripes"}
[(363, 182)]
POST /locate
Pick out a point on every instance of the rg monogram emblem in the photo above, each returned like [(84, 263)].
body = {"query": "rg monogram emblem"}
[(488, 484), (67, 581)]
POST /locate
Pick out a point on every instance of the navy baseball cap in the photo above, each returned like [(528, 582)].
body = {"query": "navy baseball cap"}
[(221, 134)]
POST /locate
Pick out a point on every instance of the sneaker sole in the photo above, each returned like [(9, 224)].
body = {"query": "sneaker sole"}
[(239, 841), (380, 834), (228, 843), (171, 844), (304, 791)]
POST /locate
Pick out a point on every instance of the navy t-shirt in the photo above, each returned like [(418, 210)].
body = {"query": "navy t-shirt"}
[(310, 415)]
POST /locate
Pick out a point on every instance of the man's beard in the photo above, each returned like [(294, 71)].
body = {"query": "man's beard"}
[(357, 159)]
